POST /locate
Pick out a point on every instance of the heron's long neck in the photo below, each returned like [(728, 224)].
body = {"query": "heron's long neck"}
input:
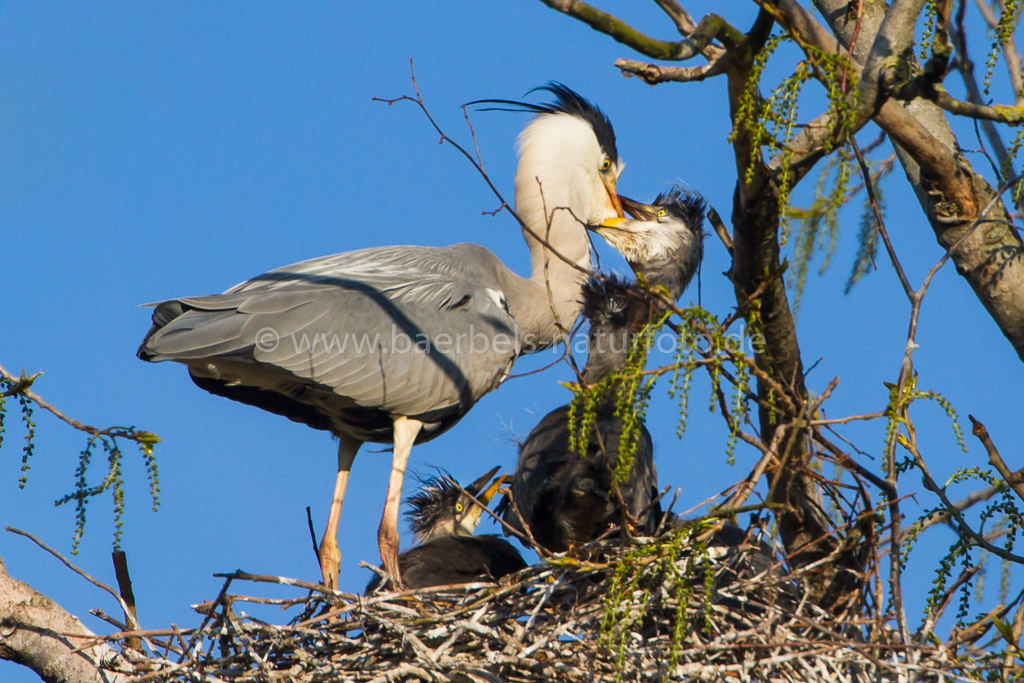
[(550, 300)]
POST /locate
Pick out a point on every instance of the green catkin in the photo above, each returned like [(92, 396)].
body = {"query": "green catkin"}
[(664, 568), (770, 122), (82, 493), (928, 33), (867, 240), (1009, 17), (30, 439)]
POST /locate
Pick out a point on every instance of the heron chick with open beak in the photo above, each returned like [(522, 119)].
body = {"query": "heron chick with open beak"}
[(443, 508), (443, 517), (664, 241)]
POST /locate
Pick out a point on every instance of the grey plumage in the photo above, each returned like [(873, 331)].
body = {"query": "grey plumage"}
[(674, 267), (396, 344), (321, 319), (664, 244)]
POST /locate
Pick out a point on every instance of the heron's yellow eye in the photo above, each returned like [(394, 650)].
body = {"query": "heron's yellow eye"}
[(662, 213), (458, 507), (606, 164)]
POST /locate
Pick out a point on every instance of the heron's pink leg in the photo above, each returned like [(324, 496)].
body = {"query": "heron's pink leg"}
[(329, 555), (405, 431)]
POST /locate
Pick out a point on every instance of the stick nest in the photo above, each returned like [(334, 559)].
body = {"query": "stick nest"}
[(646, 612)]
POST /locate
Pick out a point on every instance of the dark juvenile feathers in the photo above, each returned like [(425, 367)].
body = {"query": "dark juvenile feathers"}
[(616, 311), (456, 559), (567, 499), (569, 102)]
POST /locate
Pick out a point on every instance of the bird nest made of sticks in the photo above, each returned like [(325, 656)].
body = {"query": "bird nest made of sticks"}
[(649, 611)]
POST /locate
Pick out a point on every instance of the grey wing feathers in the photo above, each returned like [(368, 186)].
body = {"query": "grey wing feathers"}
[(405, 273), (349, 326)]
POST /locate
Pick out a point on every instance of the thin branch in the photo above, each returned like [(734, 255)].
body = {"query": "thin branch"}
[(1000, 113), (943, 516), (418, 101), (21, 386), (1011, 478), (711, 27), (877, 211), (129, 613), (653, 74), (961, 523)]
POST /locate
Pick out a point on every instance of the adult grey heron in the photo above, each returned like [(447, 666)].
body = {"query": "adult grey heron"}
[(565, 497), (443, 517), (383, 344)]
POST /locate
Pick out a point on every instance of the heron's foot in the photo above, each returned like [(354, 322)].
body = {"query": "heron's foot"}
[(330, 562), (389, 556)]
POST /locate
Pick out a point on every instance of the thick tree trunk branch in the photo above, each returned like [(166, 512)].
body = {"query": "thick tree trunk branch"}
[(757, 276), (951, 194), (38, 633), (991, 258), (894, 38)]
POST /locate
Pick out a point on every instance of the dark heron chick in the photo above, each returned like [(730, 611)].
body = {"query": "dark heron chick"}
[(566, 498), (443, 508), (443, 517)]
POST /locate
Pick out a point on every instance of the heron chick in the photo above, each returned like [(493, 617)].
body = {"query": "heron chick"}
[(443, 517), (664, 242), (568, 498)]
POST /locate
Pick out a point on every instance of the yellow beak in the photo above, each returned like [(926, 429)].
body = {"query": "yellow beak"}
[(613, 196), (613, 222), (486, 495), (472, 518)]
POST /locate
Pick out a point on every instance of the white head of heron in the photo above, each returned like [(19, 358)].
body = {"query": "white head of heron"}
[(568, 170), (565, 181)]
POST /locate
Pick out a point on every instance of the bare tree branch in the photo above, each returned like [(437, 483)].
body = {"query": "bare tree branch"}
[(1012, 479), (40, 635), (711, 27), (653, 74)]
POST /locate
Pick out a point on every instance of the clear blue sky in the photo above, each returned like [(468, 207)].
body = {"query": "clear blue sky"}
[(152, 150)]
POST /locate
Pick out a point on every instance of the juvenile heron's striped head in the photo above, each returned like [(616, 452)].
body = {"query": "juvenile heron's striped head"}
[(664, 241), (442, 508)]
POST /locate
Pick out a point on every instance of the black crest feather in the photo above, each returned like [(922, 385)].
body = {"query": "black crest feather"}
[(567, 101), (434, 495), (605, 301), (689, 207)]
